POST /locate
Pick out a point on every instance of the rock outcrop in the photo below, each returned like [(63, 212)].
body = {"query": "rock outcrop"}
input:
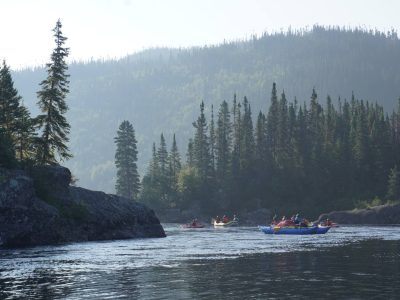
[(39, 207), (380, 215)]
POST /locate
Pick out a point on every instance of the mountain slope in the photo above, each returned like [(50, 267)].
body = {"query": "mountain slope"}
[(159, 90)]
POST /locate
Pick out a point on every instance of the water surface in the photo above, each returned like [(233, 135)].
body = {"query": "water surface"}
[(239, 263)]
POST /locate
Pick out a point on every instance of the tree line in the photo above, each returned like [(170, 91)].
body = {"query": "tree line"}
[(309, 157), (155, 85), (40, 140)]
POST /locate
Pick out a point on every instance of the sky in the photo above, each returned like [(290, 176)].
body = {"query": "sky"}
[(114, 28)]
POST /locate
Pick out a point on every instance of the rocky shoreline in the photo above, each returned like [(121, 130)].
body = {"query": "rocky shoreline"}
[(39, 207), (387, 214)]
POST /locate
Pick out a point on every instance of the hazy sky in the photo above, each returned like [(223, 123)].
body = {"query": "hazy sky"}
[(113, 28)]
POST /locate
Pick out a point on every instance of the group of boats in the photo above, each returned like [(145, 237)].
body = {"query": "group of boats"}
[(216, 222), (279, 228)]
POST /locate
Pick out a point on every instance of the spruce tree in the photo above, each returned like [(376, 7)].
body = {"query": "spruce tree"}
[(212, 140), (127, 184), (282, 141), (260, 139), (174, 164), (237, 138), (7, 152), (162, 156), (223, 143), (54, 89), (247, 138), (272, 123), (190, 153), (201, 147), (154, 165), (10, 109), (25, 136), (393, 191)]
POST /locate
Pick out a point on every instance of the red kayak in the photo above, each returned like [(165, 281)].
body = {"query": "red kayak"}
[(191, 225)]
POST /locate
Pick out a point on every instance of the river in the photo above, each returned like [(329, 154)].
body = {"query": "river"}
[(357, 262)]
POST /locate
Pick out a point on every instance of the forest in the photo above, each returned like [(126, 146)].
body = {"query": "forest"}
[(159, 90), (27, 141), (312, 156), (307, 157)]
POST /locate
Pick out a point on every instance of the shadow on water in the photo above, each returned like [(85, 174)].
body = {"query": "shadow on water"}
[(361, 271)]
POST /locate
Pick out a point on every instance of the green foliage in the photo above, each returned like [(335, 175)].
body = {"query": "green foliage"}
[(54, 88), (201, 143), (128, 183), (189, 184), (376, 201), (160, 88), (311, 158), (25, 136), (7, 152), (9, 102), (393, 191), (160, 184)]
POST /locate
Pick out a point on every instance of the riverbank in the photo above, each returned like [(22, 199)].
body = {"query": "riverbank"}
[(380, 215), (39, 207)]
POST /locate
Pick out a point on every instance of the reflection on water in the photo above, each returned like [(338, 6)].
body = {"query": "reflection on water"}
[(241, 263)]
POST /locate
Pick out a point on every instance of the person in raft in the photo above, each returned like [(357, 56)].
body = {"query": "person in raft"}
[(274, 220), (218, 219), (194, 222), (297, 220), (225, 219)]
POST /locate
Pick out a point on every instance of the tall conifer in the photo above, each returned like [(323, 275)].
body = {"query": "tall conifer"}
[(54, 89), (202, 146), (223, 142), (10, 109), (127, 184)]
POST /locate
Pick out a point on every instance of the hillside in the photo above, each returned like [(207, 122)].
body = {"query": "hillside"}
[(160, 90)]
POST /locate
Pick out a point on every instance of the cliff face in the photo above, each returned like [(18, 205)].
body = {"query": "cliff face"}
[(383, 214), (39, 207)]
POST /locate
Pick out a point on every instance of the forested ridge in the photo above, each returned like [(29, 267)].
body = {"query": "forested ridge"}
[(159, 90)]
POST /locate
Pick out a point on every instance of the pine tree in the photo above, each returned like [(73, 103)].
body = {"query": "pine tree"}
[(10, 109), (223, 143), (174, 164), (247, 138), (201, 147), (25, 136), (162, 156), (212, 140), (272, 123), (393, 192), (237, 138), (127, 184), (190, 153), (7, 152), (261, 138), (282, 140), (54, 89)]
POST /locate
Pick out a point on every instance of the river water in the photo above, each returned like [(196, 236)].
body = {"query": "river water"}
[(238, 263)]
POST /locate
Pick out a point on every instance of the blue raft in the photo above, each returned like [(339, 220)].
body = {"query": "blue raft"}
[(294, 230)]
